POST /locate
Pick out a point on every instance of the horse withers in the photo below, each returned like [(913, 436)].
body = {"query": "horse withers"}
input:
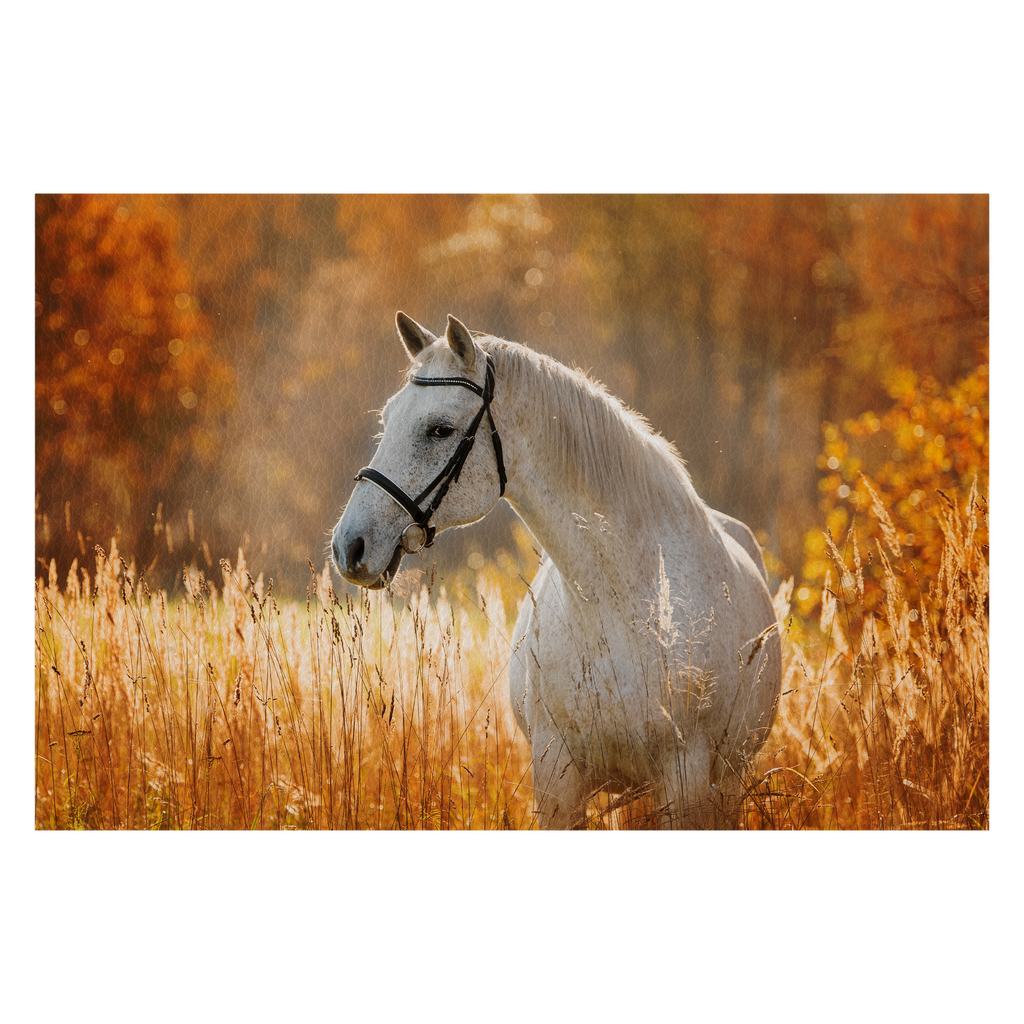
[(647, 655)]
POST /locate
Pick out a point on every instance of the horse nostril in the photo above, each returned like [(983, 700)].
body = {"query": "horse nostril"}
[(355, 554)]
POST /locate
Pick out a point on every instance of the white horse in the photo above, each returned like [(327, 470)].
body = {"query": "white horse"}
[(647, 652)]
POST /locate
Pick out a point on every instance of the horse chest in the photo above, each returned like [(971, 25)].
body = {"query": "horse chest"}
[(600, 681)]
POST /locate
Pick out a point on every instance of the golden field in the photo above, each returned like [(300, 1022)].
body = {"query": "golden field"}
[(225, 708)]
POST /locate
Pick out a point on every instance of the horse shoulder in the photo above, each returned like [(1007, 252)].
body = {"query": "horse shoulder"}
[(546, 646)]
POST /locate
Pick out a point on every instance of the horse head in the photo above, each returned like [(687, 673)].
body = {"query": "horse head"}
[(428, 473)]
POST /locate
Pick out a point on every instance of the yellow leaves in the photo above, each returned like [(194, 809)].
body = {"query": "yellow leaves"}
[(874, 467), (901, 383)]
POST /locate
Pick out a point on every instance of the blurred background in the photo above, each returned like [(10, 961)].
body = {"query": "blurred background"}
[(208, 368)]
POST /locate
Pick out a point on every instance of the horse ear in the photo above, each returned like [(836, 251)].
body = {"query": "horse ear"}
[(414, 337), (461, 342)]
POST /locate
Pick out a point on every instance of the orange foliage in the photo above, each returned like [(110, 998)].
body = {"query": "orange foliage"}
[(915, 462), (127, 386)]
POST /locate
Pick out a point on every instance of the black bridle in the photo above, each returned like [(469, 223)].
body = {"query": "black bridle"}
[(450, 473)]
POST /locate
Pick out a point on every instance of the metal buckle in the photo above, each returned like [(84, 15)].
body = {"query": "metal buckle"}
[(412, 542)]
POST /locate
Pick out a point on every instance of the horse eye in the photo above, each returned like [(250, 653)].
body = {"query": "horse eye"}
[(441, 430)]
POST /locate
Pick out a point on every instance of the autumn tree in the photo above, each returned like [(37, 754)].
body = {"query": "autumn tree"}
[(129, 390), (914, 365)]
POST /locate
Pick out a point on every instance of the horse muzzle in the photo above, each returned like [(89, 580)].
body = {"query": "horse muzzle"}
[(351, 561)]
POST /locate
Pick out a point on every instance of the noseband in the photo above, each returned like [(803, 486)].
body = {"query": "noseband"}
[(422, 535)]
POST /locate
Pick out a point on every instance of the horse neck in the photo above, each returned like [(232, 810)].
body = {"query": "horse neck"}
[(597, 488)]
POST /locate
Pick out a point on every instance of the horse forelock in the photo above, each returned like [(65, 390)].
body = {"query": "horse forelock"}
[(440, 357)]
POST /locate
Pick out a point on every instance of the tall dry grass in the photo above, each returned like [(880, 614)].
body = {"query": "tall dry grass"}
[(884, 717), (226, 709)]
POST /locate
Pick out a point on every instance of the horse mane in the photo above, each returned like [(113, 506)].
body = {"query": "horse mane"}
[(613, 452)]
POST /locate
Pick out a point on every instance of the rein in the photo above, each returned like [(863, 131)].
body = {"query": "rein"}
[(450, 473)]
